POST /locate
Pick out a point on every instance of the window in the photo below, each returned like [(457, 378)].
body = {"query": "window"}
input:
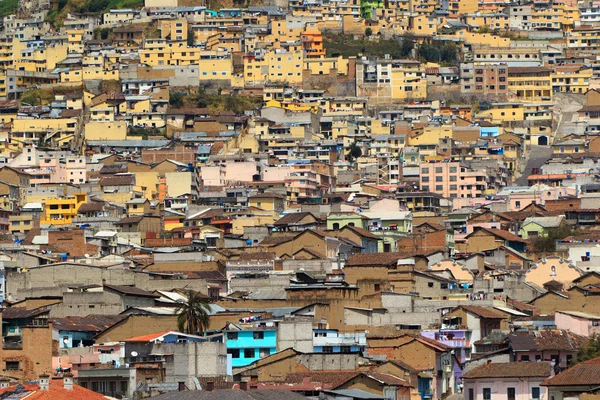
[(487, 394), (232, 336), (249, 353), (264, 353), (425, 179), (430, 284), (12, 365), (518, 204), (259, 335), (452, 178), (424, 170), (327, 349), (235, 353), (535, 392), (438, 170), (524, 358), (439, 179), (345, 349), (511, 393), (452, 169), (439, 187)]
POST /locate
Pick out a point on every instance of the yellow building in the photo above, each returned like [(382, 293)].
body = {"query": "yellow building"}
[(500, 112), (95, 130), (388, 81), (174, 30), (571, 78), (44, 130), (62, 211), (275, 66), (530, 84), (270, 202)]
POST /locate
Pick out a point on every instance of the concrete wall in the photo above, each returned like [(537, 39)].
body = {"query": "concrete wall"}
[(193, 359), (295, 333), (330, 362)]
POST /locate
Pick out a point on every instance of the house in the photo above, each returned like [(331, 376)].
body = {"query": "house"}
[(47, 388), (485, 239), (382, 384), (512, 381), (272, 202), (297, 221), (558, 346), (580, 323), (479, 320), (249, 345), (576, 382), (540, 226)]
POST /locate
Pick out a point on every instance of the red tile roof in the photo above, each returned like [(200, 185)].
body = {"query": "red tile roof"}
[(586, 373), (32, 391), (511, 370)]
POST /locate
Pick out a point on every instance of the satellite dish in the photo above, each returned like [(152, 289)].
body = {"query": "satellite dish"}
[(134, 354), (86, 255)]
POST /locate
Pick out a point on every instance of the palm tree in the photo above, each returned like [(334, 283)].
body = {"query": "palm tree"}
[(193, 314)]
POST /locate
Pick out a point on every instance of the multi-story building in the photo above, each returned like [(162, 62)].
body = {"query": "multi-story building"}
[(388, 81), (530, 84), (485, 79), (247, 346), (332, 341), (452, 180)]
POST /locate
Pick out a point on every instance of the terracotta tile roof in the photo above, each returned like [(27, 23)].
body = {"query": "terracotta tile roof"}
[(500, 233), (586, 373), (483, 312), (92, 323), (562, 340), (117, 180), (90, 207), (22, 313), (362, 232), (32, 391), (147, 338), (511, 370), (387, 379), (294, 218)]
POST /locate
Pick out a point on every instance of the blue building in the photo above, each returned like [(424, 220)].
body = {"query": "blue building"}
[(247, 346), (331, 341)]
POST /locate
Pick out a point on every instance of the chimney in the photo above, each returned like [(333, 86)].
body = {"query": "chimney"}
[(68, 381), (244, 386), (44, 382), (210, 386), (4, 382)]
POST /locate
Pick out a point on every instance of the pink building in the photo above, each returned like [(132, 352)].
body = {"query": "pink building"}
[(579, 323), (507, 381), (452, 180)]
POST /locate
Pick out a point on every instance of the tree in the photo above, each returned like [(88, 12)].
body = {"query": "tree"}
[(354, 151), (368, 32), (408, 44), (176, 99), (592, 350), (193, 314), (547, 243)]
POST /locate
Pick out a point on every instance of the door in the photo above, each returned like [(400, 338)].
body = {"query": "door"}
[(511, 393)]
